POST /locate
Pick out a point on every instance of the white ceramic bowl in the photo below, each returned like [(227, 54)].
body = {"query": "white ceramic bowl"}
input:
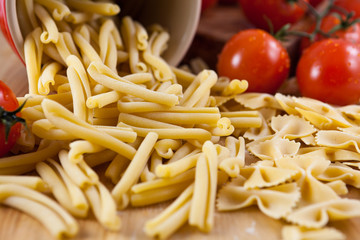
[(179, 17)]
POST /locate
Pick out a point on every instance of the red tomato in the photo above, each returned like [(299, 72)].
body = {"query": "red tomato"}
[(351, 34), (205, 4), (329, 70), (279, 12), (8, 102), (256, 56), (350, 5), (315, 2)]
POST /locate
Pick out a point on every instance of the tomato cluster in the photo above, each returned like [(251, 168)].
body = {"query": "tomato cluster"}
[(10, 122), (329, 64)]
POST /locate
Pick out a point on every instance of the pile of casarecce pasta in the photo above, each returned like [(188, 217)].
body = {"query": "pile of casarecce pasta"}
[(102, 94)]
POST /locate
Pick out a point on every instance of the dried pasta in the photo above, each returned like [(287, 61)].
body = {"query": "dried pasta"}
[(101, 93)]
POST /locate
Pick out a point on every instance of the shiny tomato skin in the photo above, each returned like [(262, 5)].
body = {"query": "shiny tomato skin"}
[(280, 12), (351, 33), (9, 102), (315, 2), (329, 70), (350, 5), (256, 56)]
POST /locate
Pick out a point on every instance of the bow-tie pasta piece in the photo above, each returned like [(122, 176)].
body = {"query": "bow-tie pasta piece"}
[(322, 109), (261, 175), (287, 103), (263, 132), (319, 214), (312, 190), (351, 112), (257, 101), (291, 127), (299, 233), (337, 139), (274, 149), (339, 171), (275, 202), (339, 187)]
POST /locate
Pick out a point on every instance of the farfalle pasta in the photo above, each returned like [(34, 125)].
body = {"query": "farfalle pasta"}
[(101, 93)]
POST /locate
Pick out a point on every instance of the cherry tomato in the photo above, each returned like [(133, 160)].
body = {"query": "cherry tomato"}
[(279, 12), (350, 5), (315, 2), (256, 56), (205, 4), (8, 102), (329, 70), (351, 33)]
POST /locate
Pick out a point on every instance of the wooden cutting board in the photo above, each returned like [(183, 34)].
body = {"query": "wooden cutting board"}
[(248, 223)]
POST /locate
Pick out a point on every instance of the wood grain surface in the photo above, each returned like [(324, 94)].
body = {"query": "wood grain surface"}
[(248, 223)]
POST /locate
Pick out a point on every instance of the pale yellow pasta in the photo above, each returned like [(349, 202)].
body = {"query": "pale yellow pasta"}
[(47, 77), (128, 32), (65, 192), (159, 44), (235, 87), (172, 133), (158, 195), (58, 8), (75, 172), (32, 114), (32, 182), (103, 99), (46, 210), (141, 36), (48, 149), (33, 49), (134, 170), (319, 214), (80, 147), (266, 175), (164, 182), (75, 62), (79, 17), (65, 120), (257, 100), (291, 127), (202, 84), (161, 70), (338, 171), (51, 32), (312, 190), (232, 164), (78, 94), (48, 218), (106, 9), (172, 218), (66, 46), (130, 88), (275, 202), (103, 206), (98, 158), (85, 47), (166, 147), (116, 168), (181, 118), (274, 149), (44, 129), (51, 51), (203, 201), (243, 119)]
